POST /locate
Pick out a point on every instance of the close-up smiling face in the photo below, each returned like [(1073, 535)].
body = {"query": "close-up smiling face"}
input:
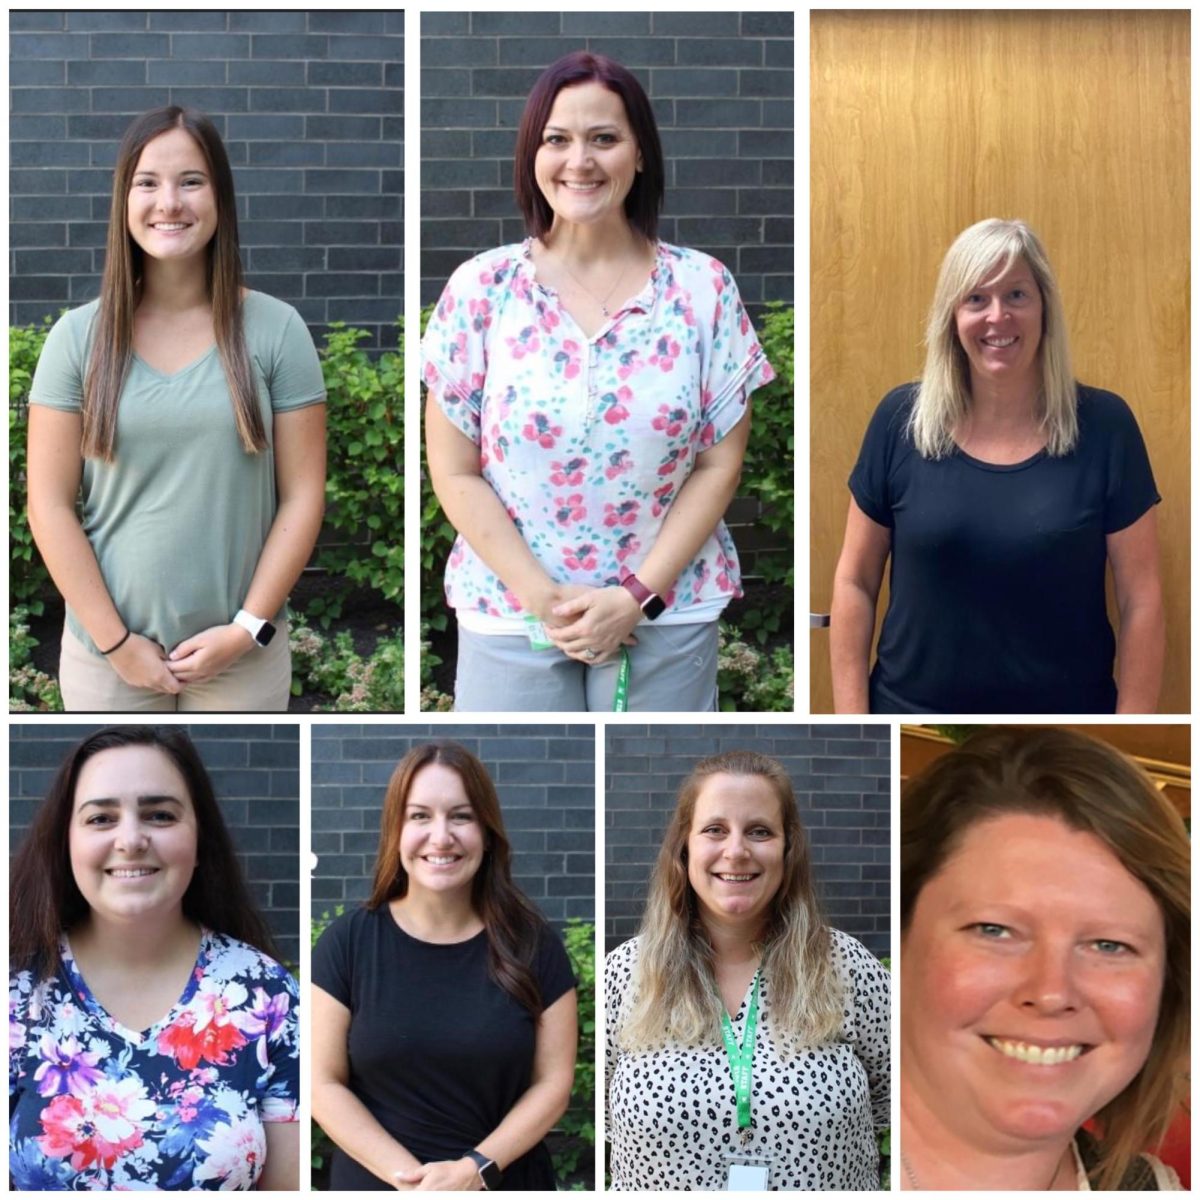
[(735, 848), (172, 205), (441, 839), (133, 836), (588, 158), (1031, 975), (999, 325)]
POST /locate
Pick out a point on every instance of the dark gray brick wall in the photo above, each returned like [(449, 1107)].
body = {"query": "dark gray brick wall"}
[(545, 777), (310, 106), (723, 92), (255, 771), (841, 775)]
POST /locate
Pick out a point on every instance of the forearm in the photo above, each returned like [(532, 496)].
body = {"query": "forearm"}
[(287, 549), (527, 1122), (350, 1124), (851, 626), (1141, 648)]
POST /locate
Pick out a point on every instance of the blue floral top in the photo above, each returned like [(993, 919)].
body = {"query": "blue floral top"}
[(94, 1106), (587, 441)]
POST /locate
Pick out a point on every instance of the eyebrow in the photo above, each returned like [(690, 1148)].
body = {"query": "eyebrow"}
[(591, 128), (186, 171), (143, 801)]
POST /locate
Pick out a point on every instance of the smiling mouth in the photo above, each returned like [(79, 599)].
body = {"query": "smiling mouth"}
[(729, 877), (1041, 1056), (169, 226), (999, 343), (441, 860), (130, 872), (581, 187)]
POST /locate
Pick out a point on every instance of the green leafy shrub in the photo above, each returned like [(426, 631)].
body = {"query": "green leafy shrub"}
[(750, 679), (432, 698), (322, 1145), (579, 1120), (27, 574), (332, 667), (29, 690), (365, 487)]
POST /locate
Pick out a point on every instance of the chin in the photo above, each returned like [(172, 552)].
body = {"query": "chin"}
[(1038, 1120)]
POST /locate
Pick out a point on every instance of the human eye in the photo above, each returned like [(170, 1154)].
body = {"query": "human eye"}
[(1112, 948), (712, 828), (161, 816), (98, 819), (762, 832), (606, 139), (554, 139), (991, 931), (463, 815), (416, 814)]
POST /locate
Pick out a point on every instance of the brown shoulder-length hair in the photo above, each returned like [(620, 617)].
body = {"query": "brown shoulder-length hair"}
[(44, 899), (120, 289), (512, 924), (676, 1000), (1095, 789), (645, 198)]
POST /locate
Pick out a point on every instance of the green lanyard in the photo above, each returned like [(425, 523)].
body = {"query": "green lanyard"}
[(621, 696), (741, 1058)]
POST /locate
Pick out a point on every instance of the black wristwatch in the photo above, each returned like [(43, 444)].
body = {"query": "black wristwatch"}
[(488, 1171), (260, 629)]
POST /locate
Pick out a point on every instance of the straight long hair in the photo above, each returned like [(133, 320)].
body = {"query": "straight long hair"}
[(1095, 789), (44, 899), (121, 289), (675, 997), (978, 255), (512, 925)]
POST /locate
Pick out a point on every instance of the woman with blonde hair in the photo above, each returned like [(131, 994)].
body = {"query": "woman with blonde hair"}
[(1001, 489), (747, 1042), (1046, 937)]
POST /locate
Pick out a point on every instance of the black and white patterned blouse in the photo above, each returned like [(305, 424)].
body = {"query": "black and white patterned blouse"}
[(671, 1115)]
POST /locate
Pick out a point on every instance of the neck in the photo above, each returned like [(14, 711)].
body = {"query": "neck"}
[(605, 241), (174, 286), (144, 942), (734, 943), (939, 1157), (436, 916), (1004, 406)]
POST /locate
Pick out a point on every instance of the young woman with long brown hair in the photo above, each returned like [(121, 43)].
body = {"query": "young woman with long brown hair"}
[(748, 1035), (188, 412), (444, 1016)]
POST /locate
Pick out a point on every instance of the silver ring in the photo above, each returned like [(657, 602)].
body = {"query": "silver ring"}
[(591, 655)]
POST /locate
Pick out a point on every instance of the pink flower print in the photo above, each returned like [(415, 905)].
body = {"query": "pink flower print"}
[(662, 499), (494, 276), (619, 463), (670, 461), (624, 513), (670, 419), (548, 319), (614, 404), (446, 304), (506, 401), (526, 342), (707, 435), (266, 1021), (98, 1127), (458, 348), (630, 363), (581, 558), (486, 607), (627, 544), (539, 428), (207, 1027), (497, 443), (567, 359), (481, 314), (744, 323), (570, 509), (232, 1154), (515, 518), (724, 582), (513, 603), (666, 351), (569, 473), (700, 574), (457, 554), (520, 286)]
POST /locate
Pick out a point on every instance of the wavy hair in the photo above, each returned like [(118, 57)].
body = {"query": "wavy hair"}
[(44, 899), (978, 255), (675, 998), (1095, 789), (121, 289), (512, 924)]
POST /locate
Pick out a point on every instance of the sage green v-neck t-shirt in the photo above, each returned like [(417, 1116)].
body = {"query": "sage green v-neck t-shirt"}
[(179, 519)]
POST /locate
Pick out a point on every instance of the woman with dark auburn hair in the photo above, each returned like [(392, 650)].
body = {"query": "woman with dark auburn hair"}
[(189, 412), (444, 1028), (747, 1041), (153, 1038), (1045, 899), (588, 412)]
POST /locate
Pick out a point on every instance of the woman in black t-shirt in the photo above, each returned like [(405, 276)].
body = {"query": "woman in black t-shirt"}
[(444, 1021), (1001, 489)]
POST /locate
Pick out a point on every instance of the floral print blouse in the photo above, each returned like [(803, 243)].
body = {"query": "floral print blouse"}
[(587, 441), (94, 1106)]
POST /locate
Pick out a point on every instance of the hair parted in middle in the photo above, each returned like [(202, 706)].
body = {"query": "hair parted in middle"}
[(512, 924), (645, 198), (675, 1000), (1093, 788), (978, 255), (121, 285)]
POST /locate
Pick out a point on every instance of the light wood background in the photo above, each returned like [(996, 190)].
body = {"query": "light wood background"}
[(926, 122)]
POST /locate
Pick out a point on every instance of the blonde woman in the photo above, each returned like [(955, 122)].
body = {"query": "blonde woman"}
[(747, 1042), (1001, 489)]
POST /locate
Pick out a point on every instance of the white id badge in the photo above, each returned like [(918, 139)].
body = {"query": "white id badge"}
[(535, 631), (747, 1173)]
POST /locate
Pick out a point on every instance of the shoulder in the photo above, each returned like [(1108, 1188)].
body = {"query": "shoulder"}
[(896, 407), (695, 268), (350, 927), (854, 958), (229, 959), (265, 317), (74, 327), (489, 269), (1103, 411), (619, 964)]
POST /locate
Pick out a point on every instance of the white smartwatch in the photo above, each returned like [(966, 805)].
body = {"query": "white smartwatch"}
[(260, 629)]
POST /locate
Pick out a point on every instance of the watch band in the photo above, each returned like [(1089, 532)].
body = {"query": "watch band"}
[(651, 604), (259, 628), (489, 1173)]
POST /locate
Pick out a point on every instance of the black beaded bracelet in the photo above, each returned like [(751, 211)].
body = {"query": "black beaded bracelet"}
[(114, 649)]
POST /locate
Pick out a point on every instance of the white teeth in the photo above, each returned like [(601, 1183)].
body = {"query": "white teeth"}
[(131, 872), (581, 187), (1043, 1056), (441, 861), (999, 342), (169, 228), (736, 878)]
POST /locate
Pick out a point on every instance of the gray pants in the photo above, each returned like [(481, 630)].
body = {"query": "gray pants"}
[(260, 681), (673, 668)]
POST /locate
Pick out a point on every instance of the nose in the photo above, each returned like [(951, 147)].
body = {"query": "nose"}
[(997, 310), (1049, 984), (735, 844), (131, 836), (580, 155), (170, 198), (440, 833)]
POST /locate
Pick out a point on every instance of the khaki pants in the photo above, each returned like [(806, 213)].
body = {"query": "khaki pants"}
[(260, 681)]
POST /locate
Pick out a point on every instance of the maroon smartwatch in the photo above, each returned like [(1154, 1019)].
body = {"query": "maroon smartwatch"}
[(651, 604)]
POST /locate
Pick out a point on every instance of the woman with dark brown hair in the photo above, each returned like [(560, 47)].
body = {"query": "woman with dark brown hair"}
[(444, 1016), (188, 412)]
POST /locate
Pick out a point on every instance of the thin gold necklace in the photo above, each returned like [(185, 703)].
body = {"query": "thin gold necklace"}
[(607, 295)]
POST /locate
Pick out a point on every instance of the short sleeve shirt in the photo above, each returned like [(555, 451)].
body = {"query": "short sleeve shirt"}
[(94, 1106), (672, 1113), (179, 519), (587, 441), (997, 578), (438, 1052)]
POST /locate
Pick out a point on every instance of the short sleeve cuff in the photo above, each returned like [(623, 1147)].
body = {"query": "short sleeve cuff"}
[(280, 1112), (459, 405), (727, 409)]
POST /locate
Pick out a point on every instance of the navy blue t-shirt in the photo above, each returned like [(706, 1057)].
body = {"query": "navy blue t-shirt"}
[(997, 572)]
